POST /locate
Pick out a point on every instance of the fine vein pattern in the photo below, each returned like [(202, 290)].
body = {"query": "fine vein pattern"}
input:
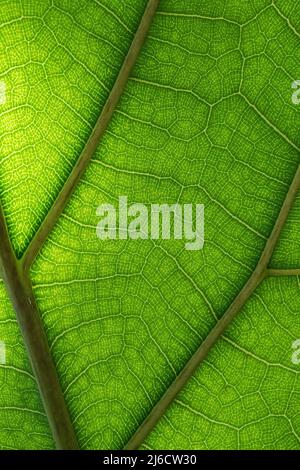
[(205, 116)]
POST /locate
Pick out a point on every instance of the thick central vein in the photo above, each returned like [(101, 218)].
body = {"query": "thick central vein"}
[(95, 137), (16, 272)]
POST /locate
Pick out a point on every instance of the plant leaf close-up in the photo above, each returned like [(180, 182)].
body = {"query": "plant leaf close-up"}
[(136, 341)]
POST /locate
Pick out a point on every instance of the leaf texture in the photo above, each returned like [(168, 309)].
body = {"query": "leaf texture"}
[(206, 117)]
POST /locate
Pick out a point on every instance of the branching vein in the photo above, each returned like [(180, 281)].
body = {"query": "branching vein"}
[(260, 273), (15, 272)]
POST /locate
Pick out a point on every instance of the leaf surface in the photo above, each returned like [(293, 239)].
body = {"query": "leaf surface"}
[(206, 117)]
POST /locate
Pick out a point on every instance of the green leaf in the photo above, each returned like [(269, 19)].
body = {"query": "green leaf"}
[(23, 423), (246, 395), (197, 109)]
